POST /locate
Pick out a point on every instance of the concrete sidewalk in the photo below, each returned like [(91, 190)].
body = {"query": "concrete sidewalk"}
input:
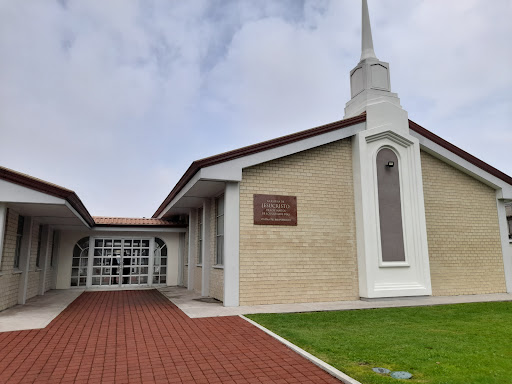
[(39, 311), (195, 306)]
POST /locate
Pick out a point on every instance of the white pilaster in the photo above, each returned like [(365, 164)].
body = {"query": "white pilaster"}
[(205, 285), (45, 257), (26, 245), (232, 245), (505, 243), (3, 222), (192, 241)]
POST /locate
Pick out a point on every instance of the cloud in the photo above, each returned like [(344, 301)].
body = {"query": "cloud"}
[(115, 99)]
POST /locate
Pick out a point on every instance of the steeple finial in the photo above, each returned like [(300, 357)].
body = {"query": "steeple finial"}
[(367, 51)]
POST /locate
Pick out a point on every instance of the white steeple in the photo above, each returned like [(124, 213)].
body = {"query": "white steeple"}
[(369, 80), (367, 51)]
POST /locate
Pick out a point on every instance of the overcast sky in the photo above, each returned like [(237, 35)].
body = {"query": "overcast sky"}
[(114, 99)]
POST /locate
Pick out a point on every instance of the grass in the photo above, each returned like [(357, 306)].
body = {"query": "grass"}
[(448, 344)]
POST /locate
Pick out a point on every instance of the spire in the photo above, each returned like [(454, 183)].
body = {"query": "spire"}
[(367, 51)]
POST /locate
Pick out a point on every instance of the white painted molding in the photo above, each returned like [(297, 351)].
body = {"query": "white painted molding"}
[(3, 223), (232, 170), (153, 230), (465, 166), (26, 246), (192, 225), (205, 284), (505, 246), (315, 360), (45, 252), (232, 245), (376, 278)]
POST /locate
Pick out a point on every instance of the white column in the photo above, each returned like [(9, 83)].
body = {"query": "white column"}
[(192, 225), (505, 246), (3, 222), (56, 250), (232, 245), (26, 245), (205, 286), (45, 253)]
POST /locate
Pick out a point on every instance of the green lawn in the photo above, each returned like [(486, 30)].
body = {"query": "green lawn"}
[(452, 344)]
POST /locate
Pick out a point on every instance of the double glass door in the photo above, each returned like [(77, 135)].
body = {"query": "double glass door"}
[(118, 262)]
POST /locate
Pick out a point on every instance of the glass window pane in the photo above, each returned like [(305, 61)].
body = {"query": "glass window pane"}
[(98, 243), (144, 270), (163, 279), (74, 282), (74, 272), (155, 279), (76, 262), (96, 271), (97, 252), (117, 243), (145, 243), (143, 280), (220, 206), (95, 281), (220, 225)]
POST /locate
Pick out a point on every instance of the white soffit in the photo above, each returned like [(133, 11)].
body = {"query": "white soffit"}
[(14, 193)]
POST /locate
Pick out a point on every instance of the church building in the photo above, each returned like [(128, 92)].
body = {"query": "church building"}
[(371, 206)]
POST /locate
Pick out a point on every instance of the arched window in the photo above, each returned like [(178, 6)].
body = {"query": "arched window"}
[(79, 263), (160, 262), (390, 206)]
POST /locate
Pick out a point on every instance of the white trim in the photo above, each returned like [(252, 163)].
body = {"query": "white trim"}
[(191, 248), (3, 222), (155, 230), (315, 360), (26, 245), (463, 165), (45, 252), (75, 212), (505, 244), (232, 245), (232, 170), (205, 284)]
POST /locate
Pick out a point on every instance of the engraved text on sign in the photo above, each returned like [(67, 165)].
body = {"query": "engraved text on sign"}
[(275, 210)]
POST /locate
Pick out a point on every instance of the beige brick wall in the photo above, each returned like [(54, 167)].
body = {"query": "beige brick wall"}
[(9, 281), (34, 272), (462, 230), (316, 260), (216, 274)]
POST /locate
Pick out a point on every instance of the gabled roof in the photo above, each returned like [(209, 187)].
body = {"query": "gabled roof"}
[(255, 148), (102, 221), (47, 188), (280, 141)]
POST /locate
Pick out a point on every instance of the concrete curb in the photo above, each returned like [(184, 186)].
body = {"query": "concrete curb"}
[(319, 363)]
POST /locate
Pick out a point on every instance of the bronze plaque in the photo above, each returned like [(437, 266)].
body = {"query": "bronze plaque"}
[(275, 210)]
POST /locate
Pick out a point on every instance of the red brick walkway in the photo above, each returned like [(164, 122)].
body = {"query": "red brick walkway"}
[(141, 337)]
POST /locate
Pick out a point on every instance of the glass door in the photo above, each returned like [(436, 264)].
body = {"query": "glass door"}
[(120, 262)]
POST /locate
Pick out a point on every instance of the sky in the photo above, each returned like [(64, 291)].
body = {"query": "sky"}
[(115, 99)]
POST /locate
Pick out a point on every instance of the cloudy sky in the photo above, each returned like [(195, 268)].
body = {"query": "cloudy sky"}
[(114, 99)]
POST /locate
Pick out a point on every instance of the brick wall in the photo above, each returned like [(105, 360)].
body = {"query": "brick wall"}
[(462, 230), (216, 274), (9, 282), (316, 260)]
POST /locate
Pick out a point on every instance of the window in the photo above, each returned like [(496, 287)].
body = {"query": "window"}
[(6, 218), (79, 263), (39, 241), (160, 262), (219, 221), (54, 247), (19, 237), (200, 242)]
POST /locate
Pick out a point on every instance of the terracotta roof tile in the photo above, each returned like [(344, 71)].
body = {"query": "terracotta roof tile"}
[(132, 221)]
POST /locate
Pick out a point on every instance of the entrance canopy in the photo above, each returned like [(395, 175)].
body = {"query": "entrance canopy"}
[(46, 202)]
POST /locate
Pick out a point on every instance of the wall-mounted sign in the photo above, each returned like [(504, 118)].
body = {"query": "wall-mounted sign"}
[(275, 210)]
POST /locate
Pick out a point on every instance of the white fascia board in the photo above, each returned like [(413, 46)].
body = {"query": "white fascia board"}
[(155, 230), (76, 214), (465, 166), (14, 193), (232, 170), (181, 193)]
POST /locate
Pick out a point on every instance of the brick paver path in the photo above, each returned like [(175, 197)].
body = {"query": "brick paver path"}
[(141, 337)]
